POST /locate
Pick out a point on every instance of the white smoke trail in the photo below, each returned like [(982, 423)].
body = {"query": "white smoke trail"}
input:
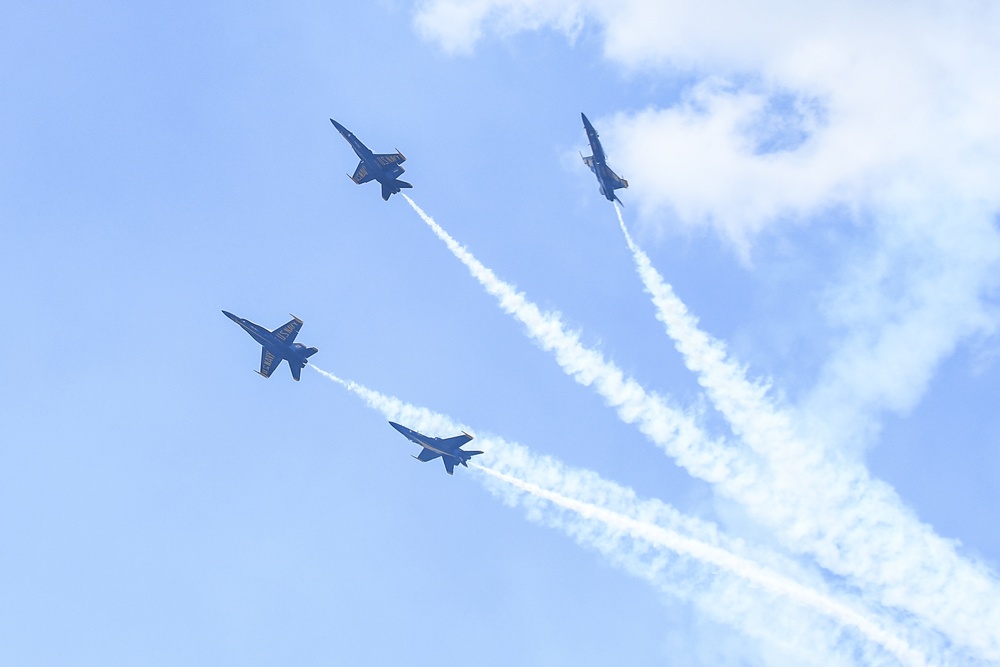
[(616, 511), (830, 508), (854, 530), (765, 579), (673, 430)]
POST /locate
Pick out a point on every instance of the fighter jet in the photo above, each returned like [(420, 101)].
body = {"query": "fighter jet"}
[(277, 345), (383, 167), (609, 180), (449, 449)]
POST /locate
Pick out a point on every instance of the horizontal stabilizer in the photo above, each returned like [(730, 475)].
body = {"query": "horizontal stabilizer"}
[(468, 455), (392, 188)]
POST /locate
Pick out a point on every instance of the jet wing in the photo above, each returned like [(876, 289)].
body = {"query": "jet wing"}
[(268, 362), (456, 442), (427, 455), (288, 332), (449, 465), (361, 174), (589, 161), (385, 159), (617, 182)]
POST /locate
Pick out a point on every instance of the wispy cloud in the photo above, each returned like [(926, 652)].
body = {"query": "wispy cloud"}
[(884, 113), (658, 544)]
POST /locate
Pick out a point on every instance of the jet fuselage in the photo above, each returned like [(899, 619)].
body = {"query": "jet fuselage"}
[(279, 343), (595, 142), (607, 180), (384, 168), (449, 449)]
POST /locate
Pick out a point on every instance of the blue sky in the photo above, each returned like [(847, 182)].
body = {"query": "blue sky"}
[(819, 190)]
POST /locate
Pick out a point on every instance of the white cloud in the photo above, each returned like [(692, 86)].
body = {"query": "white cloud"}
[(908, 93), (894, 110), (458, 24)]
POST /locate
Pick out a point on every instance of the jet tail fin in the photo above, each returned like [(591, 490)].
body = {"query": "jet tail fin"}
[(389, 189), (469, 455)]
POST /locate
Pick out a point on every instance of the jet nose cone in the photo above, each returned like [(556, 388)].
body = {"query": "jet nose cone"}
[(230, 316), (340, 128), (399, 428)]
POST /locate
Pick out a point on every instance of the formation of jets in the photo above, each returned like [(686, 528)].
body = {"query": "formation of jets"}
[(279, 345)]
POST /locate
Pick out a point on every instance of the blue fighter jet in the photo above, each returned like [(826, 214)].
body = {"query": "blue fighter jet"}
[(383, 167), (449, 449), (277, 345), (609, 180)]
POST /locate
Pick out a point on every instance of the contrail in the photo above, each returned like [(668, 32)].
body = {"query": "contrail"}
[(673, 430), (851, 524), (722, 559), (650, 522), (841, 532)]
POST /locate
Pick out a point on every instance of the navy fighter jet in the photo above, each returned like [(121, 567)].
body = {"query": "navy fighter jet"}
[(609, 180), (449, 449), (383, 167), (277, 345)]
